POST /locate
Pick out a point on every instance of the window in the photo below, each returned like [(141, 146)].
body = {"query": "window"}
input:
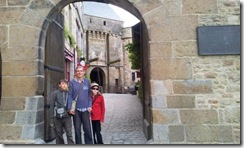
[(133, 76)]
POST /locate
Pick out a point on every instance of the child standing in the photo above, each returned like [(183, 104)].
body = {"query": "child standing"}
[(97, 113), (62, 119)]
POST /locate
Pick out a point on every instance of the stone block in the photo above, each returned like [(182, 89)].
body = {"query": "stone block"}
[(160, 133), (198, 116), (154, 17), (238, 64), (185, 49), (20, 68), (36, 21), (199, 7), (175, 28), (209, 134), (7, 103), (143, 6), (34, 103), (17, 39), (160, 50), (26, 117), (165, 116), (3, 2), (178, 68), (7, 117), (11, 15), (33, 131), (20, 53), (176, 133), (211, 20), (232, 114), (22, 86), (172, 7), (40, 116), (180, 101), (18, 3), (9, 132), (41, 7), (193, 87), (162, 87), (3, 34), (55, 2), (159, 102)]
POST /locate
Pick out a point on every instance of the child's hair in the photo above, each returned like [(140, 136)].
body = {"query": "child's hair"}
[(63, 80)]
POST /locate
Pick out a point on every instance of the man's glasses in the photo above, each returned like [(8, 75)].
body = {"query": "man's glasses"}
[(95, 89)]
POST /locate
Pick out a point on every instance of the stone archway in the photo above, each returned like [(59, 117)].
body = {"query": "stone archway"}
[(144, 47), (97, 75)]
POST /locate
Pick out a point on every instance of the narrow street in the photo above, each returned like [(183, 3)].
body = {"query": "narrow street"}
[(123, 120)]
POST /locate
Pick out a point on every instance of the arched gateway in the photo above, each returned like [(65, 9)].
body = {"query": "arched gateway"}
[(187, 98)]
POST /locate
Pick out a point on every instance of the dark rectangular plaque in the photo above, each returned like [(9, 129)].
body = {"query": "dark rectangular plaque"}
[(219, 40)]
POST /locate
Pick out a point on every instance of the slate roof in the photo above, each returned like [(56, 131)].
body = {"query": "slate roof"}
[(100, 10)]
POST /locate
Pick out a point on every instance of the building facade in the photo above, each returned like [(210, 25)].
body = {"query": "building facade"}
[(74, 36)]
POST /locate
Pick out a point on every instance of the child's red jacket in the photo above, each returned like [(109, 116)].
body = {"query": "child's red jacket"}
[(98, 108)]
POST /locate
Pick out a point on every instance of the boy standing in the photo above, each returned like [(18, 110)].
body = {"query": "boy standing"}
[(62, 119)]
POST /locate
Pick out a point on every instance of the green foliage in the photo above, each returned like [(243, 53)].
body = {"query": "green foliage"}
[(70, 36), (72, 40), (66, 32), (79, 52), (134, 55)]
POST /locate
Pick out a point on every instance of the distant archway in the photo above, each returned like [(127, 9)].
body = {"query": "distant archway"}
[(97, 75)]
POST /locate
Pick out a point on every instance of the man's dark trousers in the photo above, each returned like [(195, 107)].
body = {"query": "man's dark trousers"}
[(82, 118)]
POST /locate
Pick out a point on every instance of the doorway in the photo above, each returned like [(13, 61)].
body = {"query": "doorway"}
[(97, 75)]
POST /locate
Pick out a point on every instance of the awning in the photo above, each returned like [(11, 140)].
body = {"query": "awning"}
[(68, 58), (68, 55)]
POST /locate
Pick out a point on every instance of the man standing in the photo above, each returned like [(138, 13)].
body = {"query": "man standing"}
[(81, 115)]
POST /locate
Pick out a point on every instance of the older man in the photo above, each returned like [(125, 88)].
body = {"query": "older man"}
[(81, 115)]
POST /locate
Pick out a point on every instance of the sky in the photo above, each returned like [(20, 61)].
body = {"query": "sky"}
[(110, 11), (128, 18)]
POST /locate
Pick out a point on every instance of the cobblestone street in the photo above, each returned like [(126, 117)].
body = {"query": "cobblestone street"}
[(123, 120)]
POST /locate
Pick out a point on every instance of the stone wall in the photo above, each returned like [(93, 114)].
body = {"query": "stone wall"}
[(195, 99)]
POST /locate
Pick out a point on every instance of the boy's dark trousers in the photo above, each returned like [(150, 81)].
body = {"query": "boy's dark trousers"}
[(60, 124), (96, 125)]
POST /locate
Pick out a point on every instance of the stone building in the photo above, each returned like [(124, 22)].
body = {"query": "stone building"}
[(99, 36), (188, 97), (103, 40), (74, 30)]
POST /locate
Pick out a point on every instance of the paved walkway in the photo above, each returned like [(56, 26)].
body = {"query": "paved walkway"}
[(123, 120)]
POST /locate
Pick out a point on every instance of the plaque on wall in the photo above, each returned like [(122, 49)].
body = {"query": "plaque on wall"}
[(219, 40)]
